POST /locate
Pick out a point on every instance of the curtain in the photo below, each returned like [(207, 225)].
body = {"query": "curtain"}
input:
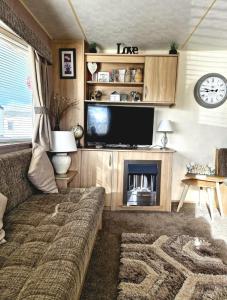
[(41, 100)]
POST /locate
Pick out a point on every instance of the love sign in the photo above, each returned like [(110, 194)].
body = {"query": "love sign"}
[(127, 50)]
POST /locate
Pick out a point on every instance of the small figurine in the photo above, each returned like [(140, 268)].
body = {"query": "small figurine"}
[(96, 95), (135, 96)]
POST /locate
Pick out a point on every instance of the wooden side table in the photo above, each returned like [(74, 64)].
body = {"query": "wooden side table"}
[(63, 181), (203, 182)]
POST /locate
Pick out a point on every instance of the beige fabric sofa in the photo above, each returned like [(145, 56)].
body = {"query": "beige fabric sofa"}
[(50, 237)]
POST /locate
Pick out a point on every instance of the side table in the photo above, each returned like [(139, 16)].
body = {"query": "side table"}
[(207, 183), (63, 181)]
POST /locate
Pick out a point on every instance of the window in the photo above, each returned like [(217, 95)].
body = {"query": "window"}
[(15, 90)]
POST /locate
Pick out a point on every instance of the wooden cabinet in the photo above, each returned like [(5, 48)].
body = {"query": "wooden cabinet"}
[(166, 178), (106, 168), (157, 87), (97, 170), (160, 79)]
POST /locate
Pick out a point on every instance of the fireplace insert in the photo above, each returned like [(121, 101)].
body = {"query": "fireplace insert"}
[(142, 182)]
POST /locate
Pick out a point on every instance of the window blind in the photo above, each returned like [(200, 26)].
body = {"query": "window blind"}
[(15, 92)]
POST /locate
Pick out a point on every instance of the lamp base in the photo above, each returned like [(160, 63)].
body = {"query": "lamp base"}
[(164, 141), (61, 163)]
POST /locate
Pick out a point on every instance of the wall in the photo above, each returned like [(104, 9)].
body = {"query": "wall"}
[(72, 88), (198, 131)]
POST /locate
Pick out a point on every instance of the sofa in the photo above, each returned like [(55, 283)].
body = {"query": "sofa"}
[(49, 237)]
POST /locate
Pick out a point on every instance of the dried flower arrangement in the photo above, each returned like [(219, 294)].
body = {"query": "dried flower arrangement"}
[(59, 106), (195, 168)]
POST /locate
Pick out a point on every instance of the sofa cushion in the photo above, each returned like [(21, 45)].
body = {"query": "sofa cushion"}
[(3, 202), (14, 183), (49, 239), (41, 171)]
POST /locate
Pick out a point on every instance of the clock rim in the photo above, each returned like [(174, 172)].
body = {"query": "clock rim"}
[(199, 100)]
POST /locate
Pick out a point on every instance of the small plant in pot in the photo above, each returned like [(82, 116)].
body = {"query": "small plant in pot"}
[(173, 48), (92, 48), (58, 107)]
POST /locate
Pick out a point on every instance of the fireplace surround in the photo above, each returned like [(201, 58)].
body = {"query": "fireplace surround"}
[(141, 182)]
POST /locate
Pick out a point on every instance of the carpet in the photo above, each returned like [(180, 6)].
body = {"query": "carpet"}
[(101, 281), (176, 267)]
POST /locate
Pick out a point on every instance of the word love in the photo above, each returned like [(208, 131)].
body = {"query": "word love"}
[(127, 50)]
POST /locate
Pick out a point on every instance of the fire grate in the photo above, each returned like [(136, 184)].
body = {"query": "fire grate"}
[(142, 182)]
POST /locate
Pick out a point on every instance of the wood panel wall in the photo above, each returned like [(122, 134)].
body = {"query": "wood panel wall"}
[(72, 88)]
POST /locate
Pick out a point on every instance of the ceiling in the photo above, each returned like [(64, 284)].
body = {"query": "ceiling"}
[(148, 24)]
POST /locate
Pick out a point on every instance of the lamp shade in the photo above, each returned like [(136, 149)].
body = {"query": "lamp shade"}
[(165, 126), (63, 141)]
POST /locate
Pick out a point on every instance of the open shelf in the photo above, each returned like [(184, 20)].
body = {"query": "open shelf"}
[(139, 103), (121, 102), (115, 83)]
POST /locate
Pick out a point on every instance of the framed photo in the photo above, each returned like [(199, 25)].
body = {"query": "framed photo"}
[(67, 58), (103, 77)]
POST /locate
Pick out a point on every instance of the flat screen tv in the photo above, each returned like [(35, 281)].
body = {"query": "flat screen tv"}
[(108, 125)]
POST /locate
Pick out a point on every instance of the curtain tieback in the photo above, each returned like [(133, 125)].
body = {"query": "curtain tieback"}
[(41, 110)]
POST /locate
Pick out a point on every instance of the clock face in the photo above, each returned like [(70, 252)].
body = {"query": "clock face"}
[(211, 90)]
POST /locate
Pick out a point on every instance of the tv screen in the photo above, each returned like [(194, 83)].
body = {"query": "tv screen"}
[(109, 124)]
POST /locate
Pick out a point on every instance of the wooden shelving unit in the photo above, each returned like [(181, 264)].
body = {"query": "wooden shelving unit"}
[(159, 78)]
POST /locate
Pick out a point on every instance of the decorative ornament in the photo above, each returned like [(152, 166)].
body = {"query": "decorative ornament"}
[(78, 133), (92, 67)]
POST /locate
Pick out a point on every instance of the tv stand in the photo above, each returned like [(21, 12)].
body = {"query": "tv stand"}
[(105, 167), (118, 146)]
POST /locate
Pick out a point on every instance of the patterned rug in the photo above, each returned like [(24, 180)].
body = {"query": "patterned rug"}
[(164, 268)]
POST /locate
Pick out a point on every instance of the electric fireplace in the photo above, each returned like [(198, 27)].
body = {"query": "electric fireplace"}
[(142, 182)]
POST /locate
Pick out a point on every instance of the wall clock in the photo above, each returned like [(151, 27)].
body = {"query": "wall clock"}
[(211, 90)]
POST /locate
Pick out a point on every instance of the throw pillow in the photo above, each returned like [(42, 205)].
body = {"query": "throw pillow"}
[(3, 202), (41, 172)]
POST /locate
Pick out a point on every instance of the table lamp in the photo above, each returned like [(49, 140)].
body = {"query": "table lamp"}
[(165, 126), (62, 143)]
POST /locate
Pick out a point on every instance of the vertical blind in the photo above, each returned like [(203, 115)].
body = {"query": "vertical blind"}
[(15, 92)]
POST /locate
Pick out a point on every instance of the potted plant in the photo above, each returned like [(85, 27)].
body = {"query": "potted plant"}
[(173, 48), (59, 106), (92, 48)]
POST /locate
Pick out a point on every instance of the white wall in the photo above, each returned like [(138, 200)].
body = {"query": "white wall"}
[(198, 131)]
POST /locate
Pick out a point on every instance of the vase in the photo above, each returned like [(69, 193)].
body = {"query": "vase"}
[(138, 75), (128, 76), (57, 127)]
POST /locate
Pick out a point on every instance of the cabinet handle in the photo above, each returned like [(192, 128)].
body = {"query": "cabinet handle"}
[(145, 92), (110, 160)]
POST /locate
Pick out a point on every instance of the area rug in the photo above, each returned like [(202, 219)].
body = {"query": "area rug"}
[(164, 268)]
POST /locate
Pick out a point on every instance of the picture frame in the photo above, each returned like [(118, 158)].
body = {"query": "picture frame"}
[(103, 77), (67, 61)]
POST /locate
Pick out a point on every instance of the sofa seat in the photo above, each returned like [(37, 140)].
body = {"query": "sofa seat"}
[(49, 242)]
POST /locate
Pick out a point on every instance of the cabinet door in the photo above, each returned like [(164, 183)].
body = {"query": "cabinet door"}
[(160, 79), (96, 170)]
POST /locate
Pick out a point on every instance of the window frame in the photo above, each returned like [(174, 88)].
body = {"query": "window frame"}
[(15, 144)]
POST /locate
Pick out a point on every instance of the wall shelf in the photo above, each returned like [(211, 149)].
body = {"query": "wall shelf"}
[(115, 83), (129, 103)]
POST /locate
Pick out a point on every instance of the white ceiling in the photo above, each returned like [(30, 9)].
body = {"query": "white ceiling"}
[(148, 24)]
